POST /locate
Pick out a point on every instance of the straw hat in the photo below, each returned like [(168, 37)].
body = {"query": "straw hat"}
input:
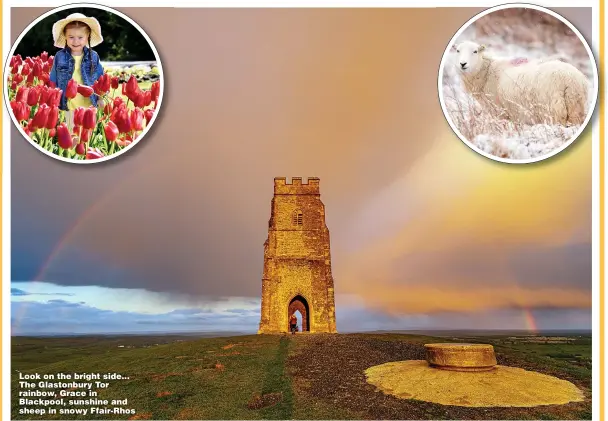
[(93, 23)]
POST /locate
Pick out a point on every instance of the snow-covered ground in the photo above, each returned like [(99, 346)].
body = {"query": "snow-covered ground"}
[(496, 136)]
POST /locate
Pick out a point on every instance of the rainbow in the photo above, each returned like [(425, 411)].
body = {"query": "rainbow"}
[(529, 320), (103, 200)]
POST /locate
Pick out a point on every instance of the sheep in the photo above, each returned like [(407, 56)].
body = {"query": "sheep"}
[(525, 91)]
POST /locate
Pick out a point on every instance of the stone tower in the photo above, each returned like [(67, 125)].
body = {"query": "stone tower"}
[(297, 262)]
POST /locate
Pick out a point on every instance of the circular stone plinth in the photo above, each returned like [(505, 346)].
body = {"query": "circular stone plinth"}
[(461, 357), (503, 386)]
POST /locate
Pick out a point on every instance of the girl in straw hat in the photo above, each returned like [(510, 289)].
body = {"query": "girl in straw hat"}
[(76, 35)]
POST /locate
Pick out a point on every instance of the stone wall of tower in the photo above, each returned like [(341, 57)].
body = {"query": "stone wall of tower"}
[(297, 259)]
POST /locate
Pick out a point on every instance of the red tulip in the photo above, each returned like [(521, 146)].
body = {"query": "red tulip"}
[(89, 120), (78, 116), (132, 87), (52, 132), (114, 82), (20, 110), (115, 112), (52, 118), (137, 119), (25, 70), (104, 83), (18, 78), (97, 88), (15, 69), (25, 112), (111, 131), (85, 91), (107, 108), (44, 95), (29, 62), (81, 148), (30, 79), (44, 76), (122, 120), (72, 89), (117, 101), (36, 69), (149, 114), (14, 85), (138, 99), (46, 68), (86, 135), (33, 97), (44, 56), (148, 98), (64, 138), (14, 105), (155, 90), (41, 116), (54, 97), (30, 125), (22, 94)]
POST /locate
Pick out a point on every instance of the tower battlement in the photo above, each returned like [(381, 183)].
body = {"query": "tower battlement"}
[(281, 186)]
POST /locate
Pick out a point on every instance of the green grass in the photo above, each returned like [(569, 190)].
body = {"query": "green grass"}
[(572, 358), (29, 353), (178, 380)]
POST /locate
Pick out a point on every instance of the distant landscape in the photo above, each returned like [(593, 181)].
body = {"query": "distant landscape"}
[(435, 332)]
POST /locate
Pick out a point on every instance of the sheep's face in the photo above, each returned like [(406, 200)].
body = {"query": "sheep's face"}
[(469, 56)]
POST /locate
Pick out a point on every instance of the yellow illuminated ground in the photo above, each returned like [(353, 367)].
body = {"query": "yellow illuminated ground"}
[(503, 386)]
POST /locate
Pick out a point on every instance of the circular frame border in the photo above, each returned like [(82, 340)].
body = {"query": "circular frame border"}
[(159, 65), (463, 28)]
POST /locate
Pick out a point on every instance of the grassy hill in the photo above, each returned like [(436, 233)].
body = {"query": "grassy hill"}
[(273, 377)]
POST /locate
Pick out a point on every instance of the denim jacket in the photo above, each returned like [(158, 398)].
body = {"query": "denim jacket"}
[(63, 69)]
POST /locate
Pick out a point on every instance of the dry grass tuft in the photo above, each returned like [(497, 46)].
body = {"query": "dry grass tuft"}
[(528, 26), (258, 401), (142, 416), (163, 376), (484, 124), (161, 394)]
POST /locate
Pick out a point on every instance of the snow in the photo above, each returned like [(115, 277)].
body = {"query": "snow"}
[(496, 136)]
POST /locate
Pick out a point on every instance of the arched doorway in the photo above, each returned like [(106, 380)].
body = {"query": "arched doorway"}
[(299, 303)]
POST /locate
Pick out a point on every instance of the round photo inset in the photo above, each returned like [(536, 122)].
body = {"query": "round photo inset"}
[(518, 83), (84, 84)]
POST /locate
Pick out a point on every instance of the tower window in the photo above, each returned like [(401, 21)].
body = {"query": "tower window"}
[(297, 218)]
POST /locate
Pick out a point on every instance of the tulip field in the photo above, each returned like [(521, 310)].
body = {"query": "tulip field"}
[(124, 109)]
